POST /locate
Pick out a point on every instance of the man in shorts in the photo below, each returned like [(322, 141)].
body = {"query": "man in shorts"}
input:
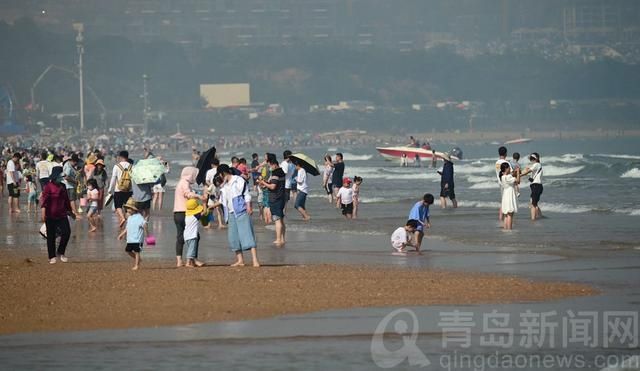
[(13, 182), (120, 196), (288, 169), (275, 185)]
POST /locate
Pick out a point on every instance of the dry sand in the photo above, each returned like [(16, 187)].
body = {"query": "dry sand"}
[(37, 296)]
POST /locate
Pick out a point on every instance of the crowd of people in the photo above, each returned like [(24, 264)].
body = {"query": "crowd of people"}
[(66, 184)]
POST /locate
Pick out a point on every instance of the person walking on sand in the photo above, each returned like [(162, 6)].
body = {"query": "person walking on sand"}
[(420, 212), (183, 193), (55, 207), (509, 202), (303, 189), (275, 186), (135, 231), (446, 183), (502, 153), (13, 182), (120, 184), (534, 170), (235, 197)]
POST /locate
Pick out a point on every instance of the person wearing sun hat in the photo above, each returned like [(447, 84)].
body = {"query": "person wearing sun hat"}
[(100, 176), (135, 230), (193, 214)]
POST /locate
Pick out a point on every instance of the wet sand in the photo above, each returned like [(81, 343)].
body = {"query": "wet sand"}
[(83, 295)]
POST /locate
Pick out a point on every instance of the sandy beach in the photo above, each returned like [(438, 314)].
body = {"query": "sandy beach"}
[(85, 295)]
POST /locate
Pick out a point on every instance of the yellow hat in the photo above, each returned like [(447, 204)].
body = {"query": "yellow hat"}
[(193, 207), (131, 204), (91, 159)]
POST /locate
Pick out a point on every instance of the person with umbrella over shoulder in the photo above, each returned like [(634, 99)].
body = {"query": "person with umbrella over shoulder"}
[(304, 165)]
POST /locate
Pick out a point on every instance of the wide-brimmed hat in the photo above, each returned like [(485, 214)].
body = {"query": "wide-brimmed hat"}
[(91, 159), (100, 162), (193, 207), (131, 204)]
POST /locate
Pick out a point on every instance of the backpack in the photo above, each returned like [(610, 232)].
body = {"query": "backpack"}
[(124, 182)]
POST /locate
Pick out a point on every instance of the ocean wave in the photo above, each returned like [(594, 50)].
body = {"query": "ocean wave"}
[(631, 212), (546, 207), (566, 158), (493, 184), (327, 229), (633, 173), (351, 157), (625, 157)]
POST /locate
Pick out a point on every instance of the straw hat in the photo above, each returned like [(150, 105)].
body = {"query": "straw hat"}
[(131, 204), (193, 207), (91, 159), (100, 162)]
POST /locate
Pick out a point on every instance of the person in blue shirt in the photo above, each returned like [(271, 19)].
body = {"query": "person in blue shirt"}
[(420, 212), (446, 183), (135, 230)]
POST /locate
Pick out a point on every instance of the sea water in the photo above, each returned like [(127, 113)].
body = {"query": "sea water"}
[(591, 204)]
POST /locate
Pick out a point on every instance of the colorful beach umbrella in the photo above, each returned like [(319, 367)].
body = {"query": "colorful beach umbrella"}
[(306, 163), (147, 171)]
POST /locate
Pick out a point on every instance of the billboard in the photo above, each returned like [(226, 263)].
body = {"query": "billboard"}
[(225, 95)]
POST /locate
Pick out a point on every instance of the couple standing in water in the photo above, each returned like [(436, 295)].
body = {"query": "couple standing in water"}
[(509, 174)]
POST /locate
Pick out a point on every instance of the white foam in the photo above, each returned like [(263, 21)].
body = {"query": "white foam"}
[(351, 157), (546, 207), (626, 157), (630, 212), (551, 170), (633, 173)]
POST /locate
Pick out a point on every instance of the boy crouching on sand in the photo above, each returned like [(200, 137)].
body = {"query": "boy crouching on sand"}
[(401, 237), (135, 230)]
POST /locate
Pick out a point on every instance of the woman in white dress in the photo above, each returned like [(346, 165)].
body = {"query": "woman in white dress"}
[(509, 195)]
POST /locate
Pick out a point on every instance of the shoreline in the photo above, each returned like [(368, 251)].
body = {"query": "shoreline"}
[(89, 295)]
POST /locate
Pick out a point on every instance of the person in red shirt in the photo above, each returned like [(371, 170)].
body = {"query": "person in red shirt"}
[(55, 207)]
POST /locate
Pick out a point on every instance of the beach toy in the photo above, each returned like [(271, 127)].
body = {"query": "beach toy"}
[(151, 240)]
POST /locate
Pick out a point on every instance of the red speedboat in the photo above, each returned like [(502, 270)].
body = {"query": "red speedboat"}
[(395, 153)]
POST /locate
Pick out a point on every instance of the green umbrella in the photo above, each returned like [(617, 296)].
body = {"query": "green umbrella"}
[(147, 171)]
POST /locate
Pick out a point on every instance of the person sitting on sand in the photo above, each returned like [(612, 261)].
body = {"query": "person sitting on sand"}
[(191, 236), (401, 237), (235, 197), (135, 230)]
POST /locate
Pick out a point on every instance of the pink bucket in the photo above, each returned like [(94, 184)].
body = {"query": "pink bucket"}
[(151, 240)]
